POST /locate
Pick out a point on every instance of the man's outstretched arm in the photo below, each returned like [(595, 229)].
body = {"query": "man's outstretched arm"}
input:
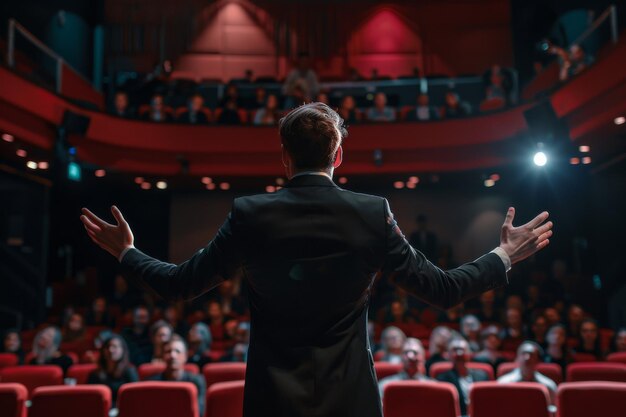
[(206, 269), (410, 270)]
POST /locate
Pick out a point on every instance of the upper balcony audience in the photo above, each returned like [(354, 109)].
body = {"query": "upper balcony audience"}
[(348, 111), (195, 112), (572, 61), (121, 105), (46, 349), (423, 111), (381, 112), (114, 366), (302, 78), (157, 111), (269, 114), (454, 107)]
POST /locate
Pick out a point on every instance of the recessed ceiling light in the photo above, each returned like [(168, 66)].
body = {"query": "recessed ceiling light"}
[(43, 165), (207, 180), (7, 138), (489, 182), (146, 185), (620, 120), (31, 164), (21, 153), (224, 186), (161, 185), (398, 184), (584, 148), (101, 173)]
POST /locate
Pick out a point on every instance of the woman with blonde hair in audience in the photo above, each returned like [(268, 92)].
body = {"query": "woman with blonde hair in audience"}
[(46, 349)]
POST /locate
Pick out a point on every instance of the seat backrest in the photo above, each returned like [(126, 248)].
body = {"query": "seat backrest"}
[(13, 399), (408, 398), (223, 372), (596, 371), (385, 369), (81, 372), (147, 370), (584, 399), (33, 376), (551, 370), (8, 359), (441, 367), (522, 399), (225, 399), (71, 401), (158, 399), (617, 357)]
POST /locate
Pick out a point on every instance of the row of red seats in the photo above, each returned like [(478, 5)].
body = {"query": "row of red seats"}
[(401, 399)]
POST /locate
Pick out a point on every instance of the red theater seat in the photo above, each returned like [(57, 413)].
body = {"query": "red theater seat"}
[(416, 398), (70, 401), (441, 367), (551, 370), (33, 376), (385, 369), (12, 400), (81, 372), (223, 372), (522, 399), (8, 359), (596, 371), (617, 357), (158, 399), (585, 399), (225, 399), (147, 370)]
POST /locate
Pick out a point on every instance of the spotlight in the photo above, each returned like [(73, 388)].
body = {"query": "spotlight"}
[(31, 164), (398, 184), (586, 160), (224, 186), (138, 180), (584, 148), (161, 185), (540, 159), (207, 180), (7, 138), (43, 165), (620, 120), (495, 177), (270, 189), (413, 180), (489, 182), (574, 161), (343, 180), (21, 153), (146, 185), (101, 173)]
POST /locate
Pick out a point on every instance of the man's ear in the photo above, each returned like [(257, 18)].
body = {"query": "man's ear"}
[(338, 157)]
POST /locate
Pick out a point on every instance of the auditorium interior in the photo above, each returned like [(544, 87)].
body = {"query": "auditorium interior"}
[(456, 110)]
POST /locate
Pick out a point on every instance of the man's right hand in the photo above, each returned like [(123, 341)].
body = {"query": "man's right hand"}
[(523, 241), (112, 238)]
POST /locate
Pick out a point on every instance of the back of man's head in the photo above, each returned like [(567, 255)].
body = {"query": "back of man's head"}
[(311, 135)]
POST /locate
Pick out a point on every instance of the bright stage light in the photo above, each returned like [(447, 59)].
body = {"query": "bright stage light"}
[(43, 165), (584, 148), (270, 189), (620, 120), (489, 182), (161, 185), (207, 180), (7, 138), (101, 173), (398, 184), (31, 164), (540, 159)]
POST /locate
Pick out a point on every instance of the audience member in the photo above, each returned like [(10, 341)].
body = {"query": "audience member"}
[(381, 112), (470, 329), (259, 100), (488, 312), (514, 332), (498, 83), (589, 340), (619, 341), (454, 107), (93, 356), (539, 328), (557, 351), (269, 114), (231, 94), (460, 375), (175, 357), (121, 296), (74, 329), (572, 61), (46, 349), (157, 112), (423, 111), (354, 75), (121, 106), (575, 317), (490, 353), (114, 367), (229, 114), (552, 315), (137, 336), (304, 77), (12, 343), (195, 113), (98, 314), (529, 355), (392, 340), (160, 332), (239, 352), (348, 111), (423, 239), (397, 313), (413, 369), (199, 342), (438, 343), (216, 320), (172, 316)]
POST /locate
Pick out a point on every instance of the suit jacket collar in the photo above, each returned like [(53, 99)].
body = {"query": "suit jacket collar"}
[(310, 180)]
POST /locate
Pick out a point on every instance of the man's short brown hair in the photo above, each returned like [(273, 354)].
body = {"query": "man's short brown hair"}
[(311, 134)]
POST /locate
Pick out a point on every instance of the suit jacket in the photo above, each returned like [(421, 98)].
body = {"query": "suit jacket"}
[(453, 377), (310, 253)]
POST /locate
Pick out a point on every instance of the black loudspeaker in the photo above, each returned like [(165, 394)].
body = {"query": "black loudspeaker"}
[(74, 123), (542, 120)]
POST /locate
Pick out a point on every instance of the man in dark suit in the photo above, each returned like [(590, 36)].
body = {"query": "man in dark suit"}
[(310, 253), (460, 375)]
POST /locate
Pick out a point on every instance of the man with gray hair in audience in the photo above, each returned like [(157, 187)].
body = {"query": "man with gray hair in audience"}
[(529, 355), (413, 369)]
